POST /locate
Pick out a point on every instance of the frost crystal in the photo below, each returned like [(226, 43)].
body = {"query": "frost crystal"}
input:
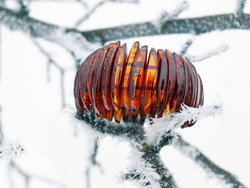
[(166, 125), (11, 150)]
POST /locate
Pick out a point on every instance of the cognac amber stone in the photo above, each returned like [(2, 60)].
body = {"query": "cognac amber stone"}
[(136, 79), (163, 82), (116, 78), (126, 76), (110, 84), (96, 86), (106, 75), (150, 81)]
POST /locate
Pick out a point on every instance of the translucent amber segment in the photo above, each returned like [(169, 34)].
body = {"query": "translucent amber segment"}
[(201, 92), (125, 114), (126, 76), (106, 75), (172, 77), (180, 82), (89, 75), (163, 82), (197, 100), (96, 84), (136, 79), (150, 81), (109, 114), (188, 93), (83, 78), (116, 78), (118, 115), (194, 81)]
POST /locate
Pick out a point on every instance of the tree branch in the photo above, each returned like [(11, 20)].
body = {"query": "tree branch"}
[(204, 162), (74, 40)]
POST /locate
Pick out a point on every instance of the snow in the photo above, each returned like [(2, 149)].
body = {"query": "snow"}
[(32, 114)]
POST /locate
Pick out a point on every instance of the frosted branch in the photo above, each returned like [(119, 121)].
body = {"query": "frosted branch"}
[(207, 55), (162, 128), (130, 130), (206, 164), (148, 170), (75, 40), (186, 46)]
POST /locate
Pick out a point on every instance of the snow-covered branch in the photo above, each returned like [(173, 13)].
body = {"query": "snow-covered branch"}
[(147, 169), (76, 40), (204, 162)]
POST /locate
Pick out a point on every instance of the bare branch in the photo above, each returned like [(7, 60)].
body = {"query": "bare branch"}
[(93, 162), (51, 61), (207, 55), (89, 13), (204, 162), (74, 40), (98, 5), (186, 46), (28, 177)]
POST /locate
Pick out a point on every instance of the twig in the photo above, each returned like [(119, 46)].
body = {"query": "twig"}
[(204, 162), (51, 61), (186, 46), (93, 162), (89, 13), (207, 55), (240, 6), (98, 5), (28, 177)]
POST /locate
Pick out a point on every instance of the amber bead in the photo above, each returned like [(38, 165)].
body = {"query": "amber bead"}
[(126, 76), (120, 88)]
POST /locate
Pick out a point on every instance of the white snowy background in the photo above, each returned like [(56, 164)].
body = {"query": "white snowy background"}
[(54, 147)]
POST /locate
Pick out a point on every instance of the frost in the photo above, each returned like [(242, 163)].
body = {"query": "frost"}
[(141, 171), (166, 125), (10, 150)]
